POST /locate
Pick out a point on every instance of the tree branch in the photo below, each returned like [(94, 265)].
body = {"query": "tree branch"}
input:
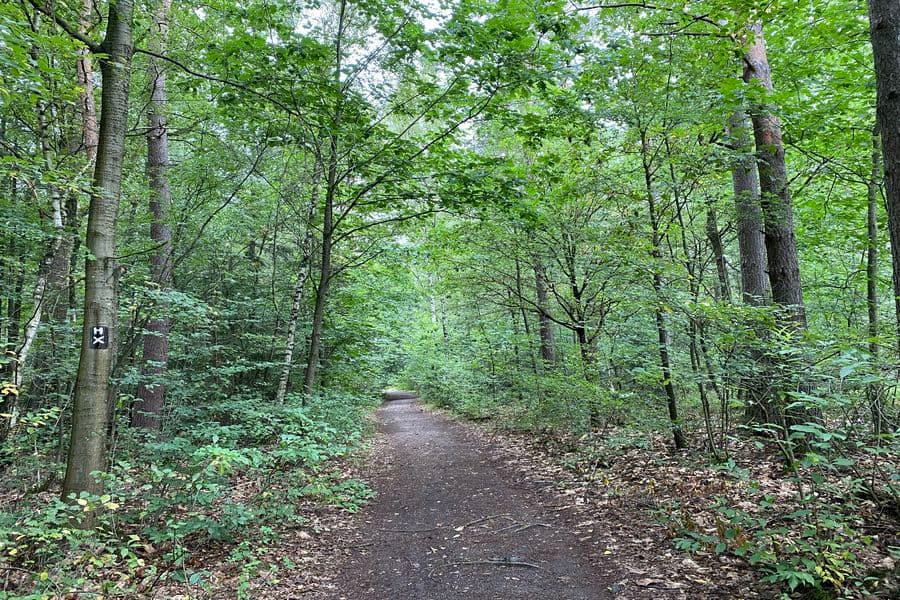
[(73, 32)]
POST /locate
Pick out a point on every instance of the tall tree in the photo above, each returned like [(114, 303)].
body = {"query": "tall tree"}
[(775, 194), (87, 445), (884, 24), (751, 241), (151, 394)]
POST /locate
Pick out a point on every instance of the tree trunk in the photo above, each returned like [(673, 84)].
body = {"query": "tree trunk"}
[(151, 395), (315, 337), (87, 106), (662, 331), (87, 446), (755, 289), (873, 390), (723, 289), (751, 241), (53, 267), (302, 277), (775, 196), (884, 22), (545, 325)]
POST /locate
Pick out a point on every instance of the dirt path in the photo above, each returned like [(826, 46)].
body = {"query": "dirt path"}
[(452, 520)]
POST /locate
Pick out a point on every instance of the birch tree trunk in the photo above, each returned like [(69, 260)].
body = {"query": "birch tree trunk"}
[(151, 395), (87, 446), (302, 277)]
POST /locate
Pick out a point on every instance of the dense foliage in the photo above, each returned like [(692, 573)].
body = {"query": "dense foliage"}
[(529, 211)]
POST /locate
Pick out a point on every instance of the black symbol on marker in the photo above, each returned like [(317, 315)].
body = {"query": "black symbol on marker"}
[(99, 337)]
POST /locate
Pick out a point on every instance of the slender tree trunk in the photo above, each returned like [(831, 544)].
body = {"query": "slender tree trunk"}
[(302, 276), (14, 297), (315, 337), (751, 241), (520, 305), (48, 269), (723, 289), (325, 274), (662, 330), (85, 140), (87, 446), (545, 325), (781, 246), (874, 391), (884, 22), (151, 394), (87, 107)]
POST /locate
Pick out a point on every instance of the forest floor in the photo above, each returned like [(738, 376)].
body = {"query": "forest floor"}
[(462, 512)]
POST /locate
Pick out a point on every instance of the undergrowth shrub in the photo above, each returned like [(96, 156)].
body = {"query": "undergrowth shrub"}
[(211, 478)]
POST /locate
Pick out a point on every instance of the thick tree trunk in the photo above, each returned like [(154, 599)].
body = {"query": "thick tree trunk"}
[(775, 196), (545, 325), (87, 446), (755, 289), (751, 241), (151, 395), (884, 22)]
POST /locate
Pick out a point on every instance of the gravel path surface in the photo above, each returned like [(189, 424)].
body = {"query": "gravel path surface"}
[(452, 520)]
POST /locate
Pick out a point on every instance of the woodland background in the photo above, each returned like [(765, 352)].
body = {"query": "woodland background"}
[(616, 229)]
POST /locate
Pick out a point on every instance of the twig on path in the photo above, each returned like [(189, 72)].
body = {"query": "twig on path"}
[(496, 562), (520, 527), (483, 519), (355, 546), (412, 530)]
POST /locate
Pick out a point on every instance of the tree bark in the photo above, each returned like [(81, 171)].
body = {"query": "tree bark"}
[(873, 390), (723, 289), (755, 290), (315, 337), (325, 274), (303, 273), (662, 331), (884, 23), (751, 241), (775, 196), (151, 395), (87, 446), (545, 325)]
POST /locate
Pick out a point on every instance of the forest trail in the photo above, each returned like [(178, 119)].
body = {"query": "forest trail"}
[(453, 520)]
